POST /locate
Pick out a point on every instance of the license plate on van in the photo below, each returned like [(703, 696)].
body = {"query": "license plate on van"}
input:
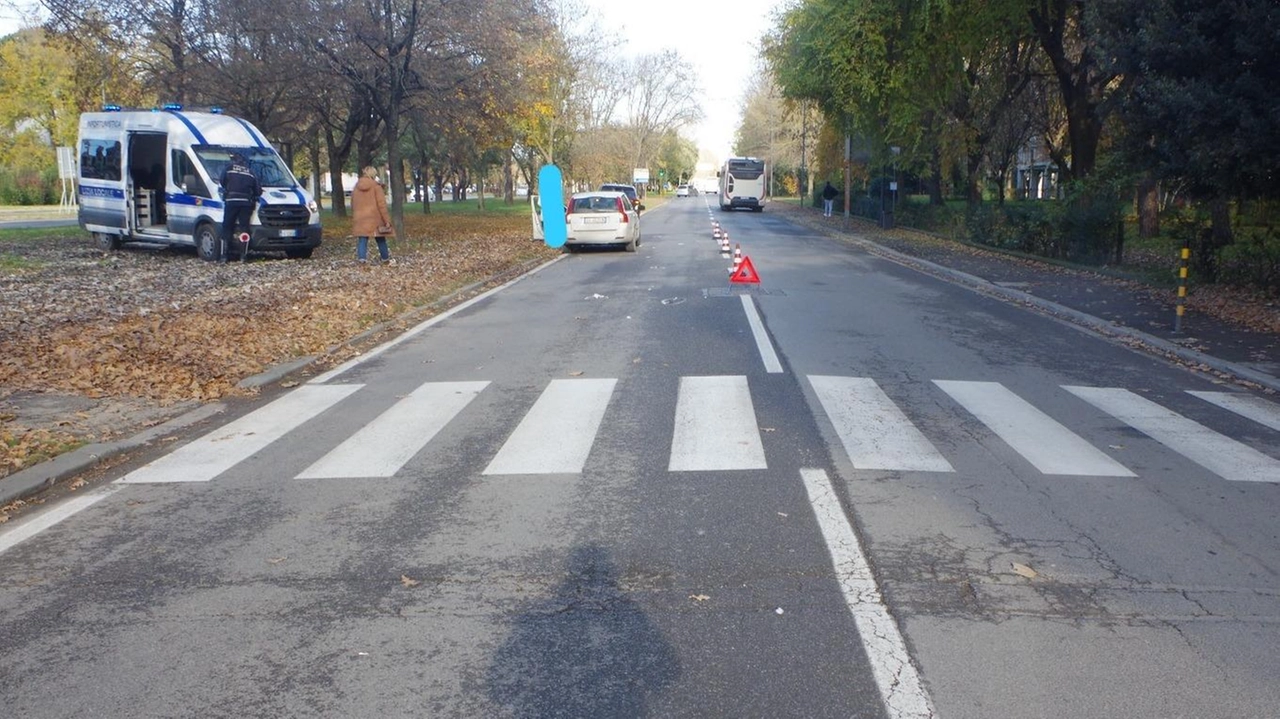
[(288, 233)]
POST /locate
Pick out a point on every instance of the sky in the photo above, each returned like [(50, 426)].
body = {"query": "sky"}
[(719, 38)]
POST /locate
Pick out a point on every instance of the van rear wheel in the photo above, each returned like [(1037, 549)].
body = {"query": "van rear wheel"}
[(207, 242), (106, 241)]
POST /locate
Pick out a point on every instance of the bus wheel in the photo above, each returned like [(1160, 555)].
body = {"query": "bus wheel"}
[(106, 241), (207, 242)]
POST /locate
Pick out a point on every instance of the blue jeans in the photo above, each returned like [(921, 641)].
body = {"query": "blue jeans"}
[(362, 248), (826, 206)]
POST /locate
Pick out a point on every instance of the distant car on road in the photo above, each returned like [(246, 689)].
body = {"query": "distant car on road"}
[(602, 218), (684, 191), (629, 190)]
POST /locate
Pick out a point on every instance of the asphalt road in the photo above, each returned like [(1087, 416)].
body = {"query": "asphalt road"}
[(620, 488)]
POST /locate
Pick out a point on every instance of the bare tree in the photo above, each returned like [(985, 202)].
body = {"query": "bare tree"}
[(661, 98)]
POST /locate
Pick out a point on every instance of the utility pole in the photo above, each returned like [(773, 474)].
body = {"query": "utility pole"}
[(848, 174), (804, 145)]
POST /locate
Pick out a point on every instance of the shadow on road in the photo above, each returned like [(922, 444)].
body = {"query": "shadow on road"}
[(585, 651)]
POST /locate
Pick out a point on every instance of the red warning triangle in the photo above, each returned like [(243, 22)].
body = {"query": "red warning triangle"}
[(746, 273)]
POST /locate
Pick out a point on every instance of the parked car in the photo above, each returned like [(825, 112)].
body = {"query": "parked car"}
[(628, 190), (602, 218), (683, 191)]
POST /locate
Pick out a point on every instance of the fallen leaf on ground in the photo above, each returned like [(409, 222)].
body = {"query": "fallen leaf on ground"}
[(1024, 571), (407, 581)]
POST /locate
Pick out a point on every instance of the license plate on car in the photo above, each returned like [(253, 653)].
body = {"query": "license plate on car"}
[(594, 220), (288, 233)]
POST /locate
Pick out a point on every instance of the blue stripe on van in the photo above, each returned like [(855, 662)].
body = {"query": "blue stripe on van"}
[(301, 200), (99, 191), (199, 138), (252, 135), (182, 198)]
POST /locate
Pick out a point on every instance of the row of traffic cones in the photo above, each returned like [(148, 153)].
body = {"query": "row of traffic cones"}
[(742, 270)]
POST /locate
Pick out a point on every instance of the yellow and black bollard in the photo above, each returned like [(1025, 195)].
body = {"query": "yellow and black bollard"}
[(1182, 289)]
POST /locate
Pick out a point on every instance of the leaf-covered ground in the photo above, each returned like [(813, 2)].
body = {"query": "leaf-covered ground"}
[(119, 336)]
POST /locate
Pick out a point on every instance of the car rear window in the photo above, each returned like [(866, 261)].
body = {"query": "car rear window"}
[(595, 204)]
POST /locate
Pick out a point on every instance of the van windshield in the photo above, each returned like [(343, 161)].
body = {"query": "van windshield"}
[(263, 162)]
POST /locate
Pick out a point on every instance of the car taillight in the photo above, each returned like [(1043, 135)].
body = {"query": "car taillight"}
[(622, 210)]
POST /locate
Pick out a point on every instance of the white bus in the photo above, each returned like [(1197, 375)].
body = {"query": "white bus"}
[(742, 184)]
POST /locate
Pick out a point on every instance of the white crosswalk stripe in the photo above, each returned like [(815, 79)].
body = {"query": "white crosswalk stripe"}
[(1218, 453), (227, 446), (874, 432), (556, 435), (1042, 441), (715, 427), (383, 446), (1255, 408)]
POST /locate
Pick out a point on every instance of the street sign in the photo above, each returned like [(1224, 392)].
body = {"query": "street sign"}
[(640, 175)]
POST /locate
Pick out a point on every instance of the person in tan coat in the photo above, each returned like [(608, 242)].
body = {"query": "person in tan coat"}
[(369, 216)]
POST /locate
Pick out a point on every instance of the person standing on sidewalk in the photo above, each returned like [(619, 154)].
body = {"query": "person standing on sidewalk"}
[(240, 190), (828, 198), (369, 216)]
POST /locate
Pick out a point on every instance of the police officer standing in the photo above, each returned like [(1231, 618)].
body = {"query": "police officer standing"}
[(240, 192)]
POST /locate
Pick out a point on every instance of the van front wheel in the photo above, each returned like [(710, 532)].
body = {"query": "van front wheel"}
[(207, 242), (106, 241)]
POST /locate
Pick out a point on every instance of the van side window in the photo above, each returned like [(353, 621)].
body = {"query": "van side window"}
[(184, 171), (100, 160)]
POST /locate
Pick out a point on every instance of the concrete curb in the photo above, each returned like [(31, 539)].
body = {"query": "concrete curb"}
[(42, 476), (1109, 330)]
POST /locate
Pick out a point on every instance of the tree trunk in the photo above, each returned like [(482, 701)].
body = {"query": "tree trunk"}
[(1148, 207), (315, 170), (1212, 239), (508, 183), (337, 157), (935, 181), (973, 180)]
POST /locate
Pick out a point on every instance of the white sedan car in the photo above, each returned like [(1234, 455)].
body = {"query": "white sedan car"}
[(684, 191), (602, 218)]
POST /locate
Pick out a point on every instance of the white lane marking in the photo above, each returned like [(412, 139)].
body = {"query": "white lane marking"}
[(1218, 453), (901, 691), (1042, 441), (353, 362), (770, 358), (715, 427), (383, 446), (55, 514), (1255, 408), (875, 433), (556, 435), (227, 446)]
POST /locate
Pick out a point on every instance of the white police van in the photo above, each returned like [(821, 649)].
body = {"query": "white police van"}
[(152, 176)]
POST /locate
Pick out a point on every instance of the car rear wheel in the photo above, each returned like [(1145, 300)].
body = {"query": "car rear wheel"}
[(631, 246)]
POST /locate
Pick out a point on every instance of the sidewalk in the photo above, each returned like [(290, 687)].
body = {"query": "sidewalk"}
[(1137, 314)]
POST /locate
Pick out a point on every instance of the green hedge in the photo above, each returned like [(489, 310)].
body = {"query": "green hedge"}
[(29, 187)]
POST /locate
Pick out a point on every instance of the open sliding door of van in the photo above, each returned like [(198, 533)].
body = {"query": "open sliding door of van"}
[(147, 182)]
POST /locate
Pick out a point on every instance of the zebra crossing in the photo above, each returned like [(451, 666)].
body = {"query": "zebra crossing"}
[(715, 428)]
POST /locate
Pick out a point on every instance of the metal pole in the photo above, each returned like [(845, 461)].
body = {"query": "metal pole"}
[(1182, 287), (848, 179)]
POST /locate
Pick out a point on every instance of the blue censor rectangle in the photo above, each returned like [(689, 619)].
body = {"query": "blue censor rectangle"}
[(551, 190)]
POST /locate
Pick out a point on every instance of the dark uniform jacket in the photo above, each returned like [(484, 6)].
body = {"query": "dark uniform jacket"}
[(239, 184)]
